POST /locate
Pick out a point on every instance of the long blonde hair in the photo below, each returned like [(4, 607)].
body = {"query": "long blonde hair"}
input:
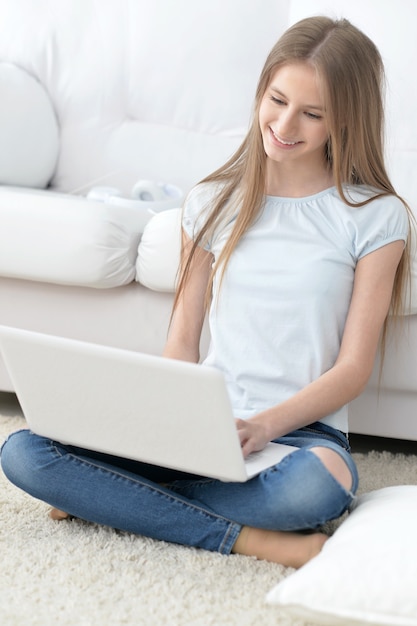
[(352, 73)]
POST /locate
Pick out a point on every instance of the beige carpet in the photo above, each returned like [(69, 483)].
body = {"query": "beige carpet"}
[(79, 574)]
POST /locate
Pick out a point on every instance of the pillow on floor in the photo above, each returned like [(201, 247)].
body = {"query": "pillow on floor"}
[(366, 572)]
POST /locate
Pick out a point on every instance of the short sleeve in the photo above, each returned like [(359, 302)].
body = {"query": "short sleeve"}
[(196, 210), (379, 223)]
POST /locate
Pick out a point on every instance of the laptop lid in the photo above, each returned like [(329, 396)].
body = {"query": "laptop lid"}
[(144, 407)]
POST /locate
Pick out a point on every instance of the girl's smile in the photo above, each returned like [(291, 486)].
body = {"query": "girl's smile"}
[(283, 143)]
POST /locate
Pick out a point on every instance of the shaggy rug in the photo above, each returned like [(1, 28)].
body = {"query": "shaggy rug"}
[(79, 574)]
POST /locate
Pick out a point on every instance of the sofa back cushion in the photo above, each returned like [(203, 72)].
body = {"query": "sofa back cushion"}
[(156, 90)]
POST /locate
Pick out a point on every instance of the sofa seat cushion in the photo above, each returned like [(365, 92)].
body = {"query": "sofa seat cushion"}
[(69, 240)]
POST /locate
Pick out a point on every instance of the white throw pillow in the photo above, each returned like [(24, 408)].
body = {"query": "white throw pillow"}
[(29, 135), (159, 251), (366, 572)]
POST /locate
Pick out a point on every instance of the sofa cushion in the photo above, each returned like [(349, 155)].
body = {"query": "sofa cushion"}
[(366, 573), (31, 141)]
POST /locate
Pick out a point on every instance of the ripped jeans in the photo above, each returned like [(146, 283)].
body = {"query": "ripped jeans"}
[(298, 493)]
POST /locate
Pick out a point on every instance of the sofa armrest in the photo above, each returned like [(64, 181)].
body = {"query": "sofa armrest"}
[(62, 239)]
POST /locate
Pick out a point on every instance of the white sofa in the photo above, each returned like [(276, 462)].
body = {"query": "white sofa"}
[(111, 92)]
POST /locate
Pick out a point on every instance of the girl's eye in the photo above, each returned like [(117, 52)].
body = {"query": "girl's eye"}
[(313, 116), (277, 100)]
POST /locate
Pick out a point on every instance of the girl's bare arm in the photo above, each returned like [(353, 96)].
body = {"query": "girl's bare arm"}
[(185, 330)]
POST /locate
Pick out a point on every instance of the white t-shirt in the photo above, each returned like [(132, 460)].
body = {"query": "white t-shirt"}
[(279, 320)]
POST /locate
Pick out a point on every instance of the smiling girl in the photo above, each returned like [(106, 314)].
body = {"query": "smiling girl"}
[(297, 249)]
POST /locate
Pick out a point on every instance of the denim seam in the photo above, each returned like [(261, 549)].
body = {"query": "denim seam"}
[(230, 537), (10, 435), (328, 437)]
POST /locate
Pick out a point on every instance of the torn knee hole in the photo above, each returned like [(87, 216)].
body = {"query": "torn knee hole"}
[(335, 464)]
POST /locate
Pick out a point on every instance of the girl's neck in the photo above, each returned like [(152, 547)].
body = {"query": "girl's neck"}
[(297, 183)]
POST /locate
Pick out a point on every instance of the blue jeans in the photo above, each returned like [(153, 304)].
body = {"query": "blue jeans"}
[(299, 493)]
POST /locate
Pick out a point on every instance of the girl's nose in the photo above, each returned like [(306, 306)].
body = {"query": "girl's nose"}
[(287, 124)]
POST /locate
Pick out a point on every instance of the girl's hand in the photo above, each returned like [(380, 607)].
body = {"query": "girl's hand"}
[(253, 436)]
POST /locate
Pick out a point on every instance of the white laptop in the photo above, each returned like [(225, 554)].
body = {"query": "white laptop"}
[(139, 406)]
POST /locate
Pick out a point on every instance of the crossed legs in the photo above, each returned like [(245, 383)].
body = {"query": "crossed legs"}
[(259, 518)]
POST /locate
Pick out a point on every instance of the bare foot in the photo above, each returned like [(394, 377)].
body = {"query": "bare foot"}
[(57, 514), (287, 548)]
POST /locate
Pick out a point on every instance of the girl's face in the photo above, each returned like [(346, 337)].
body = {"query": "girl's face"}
[(292, 118)]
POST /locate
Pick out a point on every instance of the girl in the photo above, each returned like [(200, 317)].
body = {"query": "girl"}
[(296, 246)]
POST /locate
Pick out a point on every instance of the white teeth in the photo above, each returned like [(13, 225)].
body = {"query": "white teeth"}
[(286, 143)]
